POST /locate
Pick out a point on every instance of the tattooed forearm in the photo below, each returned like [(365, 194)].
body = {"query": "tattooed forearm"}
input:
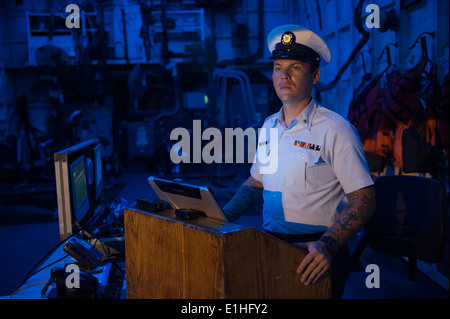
[(346, 222), (246, 197), (253, 182), (361, 204)]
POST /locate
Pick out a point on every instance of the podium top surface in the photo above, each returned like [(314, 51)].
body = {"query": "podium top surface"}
[(211, 224)]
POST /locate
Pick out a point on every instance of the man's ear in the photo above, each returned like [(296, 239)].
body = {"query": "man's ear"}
[(316, 76)]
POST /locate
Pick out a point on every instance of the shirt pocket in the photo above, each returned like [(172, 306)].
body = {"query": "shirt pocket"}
[(304, 163)]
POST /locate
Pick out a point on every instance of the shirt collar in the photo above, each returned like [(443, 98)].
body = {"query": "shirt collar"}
[(304, 118), (279, 119)]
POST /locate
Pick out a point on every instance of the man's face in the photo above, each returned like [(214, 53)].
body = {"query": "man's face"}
[(293, 80)]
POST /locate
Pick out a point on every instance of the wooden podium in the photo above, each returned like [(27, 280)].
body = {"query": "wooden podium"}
[(206, 259)]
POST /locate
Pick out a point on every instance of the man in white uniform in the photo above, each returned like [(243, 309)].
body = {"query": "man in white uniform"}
[(310, 170)]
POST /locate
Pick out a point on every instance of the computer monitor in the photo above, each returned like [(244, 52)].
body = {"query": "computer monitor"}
[(187, 196), (79, 188), (74, 211)]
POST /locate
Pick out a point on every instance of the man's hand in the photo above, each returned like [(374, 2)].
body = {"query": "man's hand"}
[(315, 263)]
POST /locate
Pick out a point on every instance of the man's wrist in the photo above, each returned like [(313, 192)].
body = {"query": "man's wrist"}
[(331, 244)]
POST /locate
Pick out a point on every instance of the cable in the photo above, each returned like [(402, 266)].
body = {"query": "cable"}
[(26, 287), (48, 265), (30, 273)]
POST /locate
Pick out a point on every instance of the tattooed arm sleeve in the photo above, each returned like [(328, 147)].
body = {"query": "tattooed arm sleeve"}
[(246, 197), (361, 204)]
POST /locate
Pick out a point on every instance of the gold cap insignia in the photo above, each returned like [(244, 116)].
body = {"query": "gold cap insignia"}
[(287, 38)]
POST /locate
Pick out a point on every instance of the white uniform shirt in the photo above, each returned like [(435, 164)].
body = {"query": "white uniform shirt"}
[(319, 159)]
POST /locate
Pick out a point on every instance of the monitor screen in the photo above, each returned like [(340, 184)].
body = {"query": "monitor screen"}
[(79, 188), (98, 170)]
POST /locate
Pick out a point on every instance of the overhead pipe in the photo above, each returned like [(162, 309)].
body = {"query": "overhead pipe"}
[(366, 35)]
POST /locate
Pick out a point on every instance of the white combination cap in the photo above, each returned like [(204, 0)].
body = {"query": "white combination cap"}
[(295, 42)]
